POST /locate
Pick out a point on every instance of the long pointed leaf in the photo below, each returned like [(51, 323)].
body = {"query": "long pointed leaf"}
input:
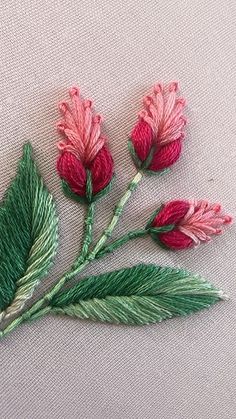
[(28, 236), (139, 295)]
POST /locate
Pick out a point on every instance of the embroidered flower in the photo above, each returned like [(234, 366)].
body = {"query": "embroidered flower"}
[(189, 223), (85, 163), (156, 139)]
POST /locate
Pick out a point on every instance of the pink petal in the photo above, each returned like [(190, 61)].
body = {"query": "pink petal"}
[(175, 115), (170, 100), (78, 110), (159, 102)]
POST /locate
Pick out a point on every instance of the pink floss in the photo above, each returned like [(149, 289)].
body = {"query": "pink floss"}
[(160, 127), (83, 147), (192, 222)]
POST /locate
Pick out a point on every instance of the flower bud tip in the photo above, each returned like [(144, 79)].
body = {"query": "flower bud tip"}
[(158, 88), (173, 86), (63, 107), (228, 219), (74, 91), (222, 295)]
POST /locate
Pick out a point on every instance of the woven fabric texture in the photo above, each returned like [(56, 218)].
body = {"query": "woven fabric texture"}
[(183, 368)]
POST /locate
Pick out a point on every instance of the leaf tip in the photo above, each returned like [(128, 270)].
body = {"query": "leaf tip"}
[(223, 296), (27, 150)]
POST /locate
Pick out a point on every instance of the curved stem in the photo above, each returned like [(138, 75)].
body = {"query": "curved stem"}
[(24, 317), (13, 325), (117, 214), (119, 242), (91, 256), (80, 263)]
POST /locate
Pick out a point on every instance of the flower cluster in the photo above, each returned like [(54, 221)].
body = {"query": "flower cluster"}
[(86, 165)]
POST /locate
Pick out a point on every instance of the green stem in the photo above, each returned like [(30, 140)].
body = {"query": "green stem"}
[(116, 216), (79, 264), (88, 230), (91, 256), (24, 317), (13, 325), (119, 242), (132, 235)]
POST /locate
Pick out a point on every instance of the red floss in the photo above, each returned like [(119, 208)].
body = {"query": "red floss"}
[(156, 139), (84, 153), (190, 222)]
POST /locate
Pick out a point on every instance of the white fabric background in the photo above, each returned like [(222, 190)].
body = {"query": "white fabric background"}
[(183, 368)]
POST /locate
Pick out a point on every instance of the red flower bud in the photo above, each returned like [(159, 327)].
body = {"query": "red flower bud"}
[(74, 172), (157, 137), (189, 223), (85, 163)]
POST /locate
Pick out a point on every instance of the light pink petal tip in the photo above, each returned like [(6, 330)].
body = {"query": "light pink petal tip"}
[(80, 127), (163, 112), (203, 220)]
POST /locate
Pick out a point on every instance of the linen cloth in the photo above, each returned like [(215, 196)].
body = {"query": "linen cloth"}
[(183, 368)]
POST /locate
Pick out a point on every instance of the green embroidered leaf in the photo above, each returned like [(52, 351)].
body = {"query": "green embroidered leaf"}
[(28, 236), (139, 295)]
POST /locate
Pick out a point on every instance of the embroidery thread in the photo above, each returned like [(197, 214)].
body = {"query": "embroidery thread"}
[(139, 295), (85, 164)]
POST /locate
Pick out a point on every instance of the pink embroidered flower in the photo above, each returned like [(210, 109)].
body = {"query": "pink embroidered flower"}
[(85, 163), (189, 223), (156, 139)]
